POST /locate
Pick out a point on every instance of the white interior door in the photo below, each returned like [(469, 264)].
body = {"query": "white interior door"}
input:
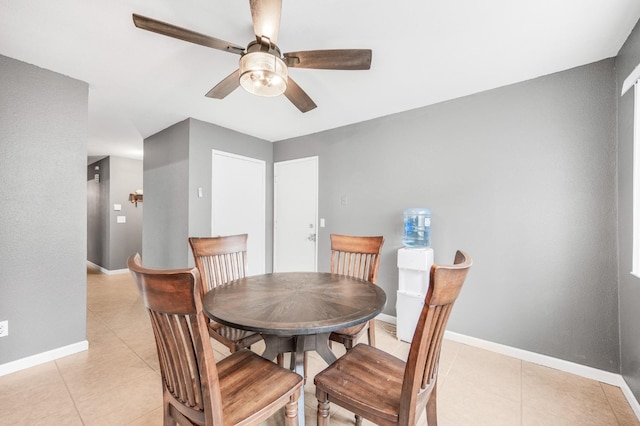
[(295, 215), (238, 203)]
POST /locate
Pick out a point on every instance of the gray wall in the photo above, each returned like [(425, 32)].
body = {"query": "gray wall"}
[(165, 224), (521, 177), (109, 243), (177, 161), (43, 214), (97, 213), (629, 292), (204, 138), (126, 238)]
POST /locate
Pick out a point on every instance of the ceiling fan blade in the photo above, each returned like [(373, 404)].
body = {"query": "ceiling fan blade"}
[(266, 18), (226, 86), (298, 97), (170, 30), (338, 59)]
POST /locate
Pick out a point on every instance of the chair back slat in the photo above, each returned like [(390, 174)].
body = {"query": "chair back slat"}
[(183, 376), (424, 354), (220, 259), (165, 355), (356, 256), (441, 315), (187, 364)]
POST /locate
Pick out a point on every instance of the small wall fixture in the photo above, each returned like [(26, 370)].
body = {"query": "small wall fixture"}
[(136, 197)]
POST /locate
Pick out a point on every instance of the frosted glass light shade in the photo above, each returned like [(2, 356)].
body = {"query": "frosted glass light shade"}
[(263, 74)]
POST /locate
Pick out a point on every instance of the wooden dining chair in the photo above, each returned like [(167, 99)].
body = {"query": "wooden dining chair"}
[(384, 389), (220, 260), (242, 389), (357, 257)]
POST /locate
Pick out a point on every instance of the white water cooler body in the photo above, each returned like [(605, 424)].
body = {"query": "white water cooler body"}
[(414, 270)]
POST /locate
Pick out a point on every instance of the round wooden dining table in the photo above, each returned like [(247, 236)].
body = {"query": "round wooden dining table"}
[(295, 311)]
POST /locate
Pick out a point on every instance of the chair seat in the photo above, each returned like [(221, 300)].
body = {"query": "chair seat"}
[(365, 380), (233, 337), (249, 382)]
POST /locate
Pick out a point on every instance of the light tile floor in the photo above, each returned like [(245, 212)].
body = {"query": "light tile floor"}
[(117, 381)]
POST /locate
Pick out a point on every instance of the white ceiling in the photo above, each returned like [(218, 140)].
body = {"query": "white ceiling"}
[(424, 51)]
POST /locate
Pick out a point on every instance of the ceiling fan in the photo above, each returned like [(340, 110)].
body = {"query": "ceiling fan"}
[(263, 69)]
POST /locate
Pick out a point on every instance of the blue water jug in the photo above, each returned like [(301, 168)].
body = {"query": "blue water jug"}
[(417, 228)]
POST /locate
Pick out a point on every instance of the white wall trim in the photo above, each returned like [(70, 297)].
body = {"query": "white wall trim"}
[(536, 358), (387, 318), (107, 271), (633, 402), (555, 363), (547, 361), (631, 80), (41, 358)]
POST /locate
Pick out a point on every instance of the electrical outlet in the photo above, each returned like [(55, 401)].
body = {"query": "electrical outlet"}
[(4, 328)]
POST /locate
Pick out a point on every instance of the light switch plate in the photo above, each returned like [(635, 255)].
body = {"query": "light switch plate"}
[(121, 219), (117, 207)]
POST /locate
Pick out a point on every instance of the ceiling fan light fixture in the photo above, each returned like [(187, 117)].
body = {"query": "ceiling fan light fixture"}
[(263, 74)]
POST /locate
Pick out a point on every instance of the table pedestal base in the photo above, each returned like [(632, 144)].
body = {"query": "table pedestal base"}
[(297, 346)]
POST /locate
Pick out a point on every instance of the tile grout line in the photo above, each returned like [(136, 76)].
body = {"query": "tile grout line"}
[(521, 393), (611, 407), (66, 386), (104, 322)]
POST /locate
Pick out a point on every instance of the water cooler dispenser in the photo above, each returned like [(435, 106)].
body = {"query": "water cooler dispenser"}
[(414, 264), (414, 270)]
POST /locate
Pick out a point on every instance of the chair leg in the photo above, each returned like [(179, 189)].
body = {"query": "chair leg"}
[(358, 420), (291, 412), (371, 332), (280, 360), (176, 418), (323, 409), (306, 361), (167, 418), (348, 343), (432, 415)]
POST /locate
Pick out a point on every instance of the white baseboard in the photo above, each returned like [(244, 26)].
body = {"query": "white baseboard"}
[(547, 361), (41, 358), (387, 318), (555, 363), (631, 398), (107, 271)]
